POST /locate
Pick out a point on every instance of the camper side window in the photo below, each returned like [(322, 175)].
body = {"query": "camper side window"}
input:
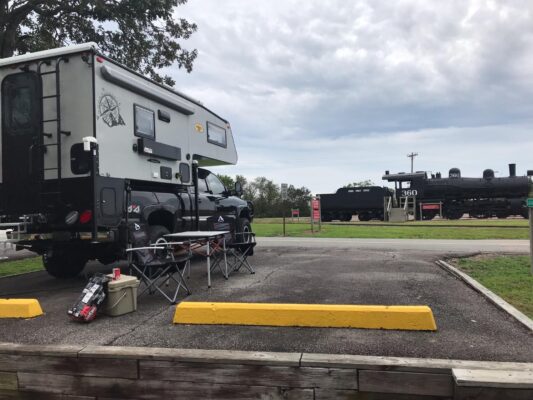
[(216, 135), (144, 122)]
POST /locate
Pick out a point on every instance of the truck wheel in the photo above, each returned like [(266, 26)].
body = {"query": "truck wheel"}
[(156, 232), (63, 264), (107, 259), (244, 229)]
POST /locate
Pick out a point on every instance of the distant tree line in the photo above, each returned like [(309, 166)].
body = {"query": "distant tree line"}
[(266, 196), (367, 182)]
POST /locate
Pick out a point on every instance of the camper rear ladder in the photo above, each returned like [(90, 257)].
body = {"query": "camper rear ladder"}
[(57, 120)]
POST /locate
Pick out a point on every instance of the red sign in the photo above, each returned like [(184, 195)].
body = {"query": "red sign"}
[(295, 213), (430, 206), (315, 209)]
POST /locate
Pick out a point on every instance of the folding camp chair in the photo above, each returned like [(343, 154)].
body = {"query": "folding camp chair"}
[(156, 265), (220, 252), (239, 250)]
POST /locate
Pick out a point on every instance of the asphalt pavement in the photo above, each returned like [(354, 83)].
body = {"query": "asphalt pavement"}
[(290, 270)]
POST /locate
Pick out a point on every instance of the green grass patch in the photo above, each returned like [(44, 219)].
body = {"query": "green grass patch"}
[(21, 266), (389, 232), (507, 276), (515, 222)]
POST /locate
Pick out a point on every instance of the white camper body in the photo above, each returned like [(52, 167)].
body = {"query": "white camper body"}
[(145, 131)]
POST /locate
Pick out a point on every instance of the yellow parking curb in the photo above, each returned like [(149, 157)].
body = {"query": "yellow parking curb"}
[(310, 315), (20, 308)]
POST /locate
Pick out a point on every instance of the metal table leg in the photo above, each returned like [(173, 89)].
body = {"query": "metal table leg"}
[(208, 265), (225, 258)]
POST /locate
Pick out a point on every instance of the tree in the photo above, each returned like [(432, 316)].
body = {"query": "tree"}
[(142, 34), (299, 198), (227, 180), (367, 182)]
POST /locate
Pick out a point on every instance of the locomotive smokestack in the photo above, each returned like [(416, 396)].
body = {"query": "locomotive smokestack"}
[(512, 170)]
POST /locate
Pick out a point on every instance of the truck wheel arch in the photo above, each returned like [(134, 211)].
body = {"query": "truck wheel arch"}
[(163, 216)]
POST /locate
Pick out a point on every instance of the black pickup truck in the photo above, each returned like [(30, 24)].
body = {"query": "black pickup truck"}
[(65, 253), (168, 212)]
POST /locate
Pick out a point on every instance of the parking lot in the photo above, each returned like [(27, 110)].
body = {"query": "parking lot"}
[(293, 271)]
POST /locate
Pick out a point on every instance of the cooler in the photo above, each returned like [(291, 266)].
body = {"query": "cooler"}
[(121, 295)]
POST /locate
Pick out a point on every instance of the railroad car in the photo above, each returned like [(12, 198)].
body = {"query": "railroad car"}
[(366, 202)]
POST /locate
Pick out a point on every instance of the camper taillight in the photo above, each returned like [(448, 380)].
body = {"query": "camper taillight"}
[(86, 216)]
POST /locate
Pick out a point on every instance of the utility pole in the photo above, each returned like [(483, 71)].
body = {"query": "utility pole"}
[(412, 157)]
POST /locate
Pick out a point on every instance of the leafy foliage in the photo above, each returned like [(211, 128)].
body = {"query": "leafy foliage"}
[(227, 181), (142, 34), (266, 196), (367, 182)]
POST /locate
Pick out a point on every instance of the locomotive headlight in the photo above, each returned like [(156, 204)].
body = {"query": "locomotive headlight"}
[(71, 218)]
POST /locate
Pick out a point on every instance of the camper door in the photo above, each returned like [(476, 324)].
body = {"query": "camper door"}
[(22, 155)]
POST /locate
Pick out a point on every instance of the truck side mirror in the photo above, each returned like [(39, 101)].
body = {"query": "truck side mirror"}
[(238, 189)]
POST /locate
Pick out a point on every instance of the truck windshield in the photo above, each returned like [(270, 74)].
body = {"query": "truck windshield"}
[(215, 186)]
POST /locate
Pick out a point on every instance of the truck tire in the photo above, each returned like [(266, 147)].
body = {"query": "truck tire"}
[(243, 229), (63, 264), (157, 232)]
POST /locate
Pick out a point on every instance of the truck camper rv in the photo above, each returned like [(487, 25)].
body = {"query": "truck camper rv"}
[(88, 145)]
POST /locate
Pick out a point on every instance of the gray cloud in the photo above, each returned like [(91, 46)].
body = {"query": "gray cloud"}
[(326, 92)]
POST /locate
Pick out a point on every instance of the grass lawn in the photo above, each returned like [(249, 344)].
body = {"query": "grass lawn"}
[(507, 276), (389, 232), (20, 266), (515, 222)]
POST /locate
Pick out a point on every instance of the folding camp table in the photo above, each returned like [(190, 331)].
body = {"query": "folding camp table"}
[(211, 239)]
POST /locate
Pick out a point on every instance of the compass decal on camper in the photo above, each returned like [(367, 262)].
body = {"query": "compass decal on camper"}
[(109, 110)]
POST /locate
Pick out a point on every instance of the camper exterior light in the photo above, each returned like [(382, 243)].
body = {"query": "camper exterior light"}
[(86, 216), (87, 140), (71, 218)]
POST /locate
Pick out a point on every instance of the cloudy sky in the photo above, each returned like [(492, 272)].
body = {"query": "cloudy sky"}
[(325, 92)]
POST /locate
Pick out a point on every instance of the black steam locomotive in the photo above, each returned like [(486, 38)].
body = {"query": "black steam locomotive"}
[(479, 197)]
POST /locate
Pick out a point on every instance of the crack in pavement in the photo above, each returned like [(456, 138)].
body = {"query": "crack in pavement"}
[(137, 326)]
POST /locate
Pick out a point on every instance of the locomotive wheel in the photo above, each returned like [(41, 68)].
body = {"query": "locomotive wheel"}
[(364, 216), (428, 216), (454, 214)]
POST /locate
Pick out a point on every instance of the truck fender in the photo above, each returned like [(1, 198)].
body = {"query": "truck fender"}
[(161, 214)]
